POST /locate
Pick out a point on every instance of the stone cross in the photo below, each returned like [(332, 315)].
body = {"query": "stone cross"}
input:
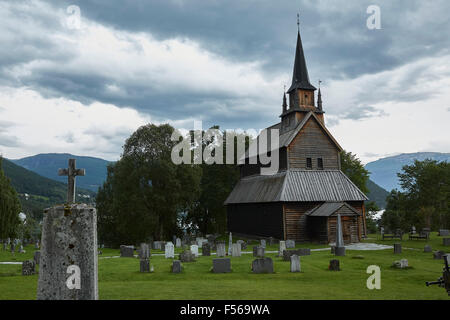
[(71, 172)]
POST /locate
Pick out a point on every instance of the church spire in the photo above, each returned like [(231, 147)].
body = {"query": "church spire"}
[(284, 102), (300, 77), (319, 98)]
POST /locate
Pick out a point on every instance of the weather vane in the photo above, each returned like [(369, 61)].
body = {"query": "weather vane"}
[(320, 81), (298, 22)]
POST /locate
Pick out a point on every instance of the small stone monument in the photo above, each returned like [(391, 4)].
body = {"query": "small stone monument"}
[(200, 242), (222, 265), (178, 243), (37, 257), (334, 265), (290, 244), (194, 250), (444, 233), (340, 249), (28, 268), (262, 265), (144, 265), (236, 250), (281, 248), (68, 263), (169, 251), (402, 264), (220, 251), (127, 251), (438, 255), (206, 249), (263, 243), (177, 267), (397, 248), (144, 251), (260, 252), (295, 263), (187, 256), (230, 242), (427, 248)]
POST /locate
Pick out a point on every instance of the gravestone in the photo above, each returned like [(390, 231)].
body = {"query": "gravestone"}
[(397, 248), (177, 267), (21, 249), (271, 241), (236, 250), (169, 250), (446, 241), (295, 263), (127, 251), (220, 251), (144, 251), (36, 245), (178, 243), (174, 239), (199, 242), (68, 263), (222, 265), (243, 244), (263, 243), (290, 244), (281, 248), (334, 265), (12, 247), (206, 250), (260, 252), (194, 250), (144, 265), (437, 255), (37, 257), (230, 242), (262, 265), (187, 256), (444, 233), (427, 248), (28, 268), (339, 251)]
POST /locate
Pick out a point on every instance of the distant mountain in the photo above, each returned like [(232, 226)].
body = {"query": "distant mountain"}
[(384, 171), (47, 165), (37, 192), (377, 194)]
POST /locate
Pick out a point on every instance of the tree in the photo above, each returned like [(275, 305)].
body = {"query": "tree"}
[(371, 223), (354, 170), (9, 207), (145, 192)]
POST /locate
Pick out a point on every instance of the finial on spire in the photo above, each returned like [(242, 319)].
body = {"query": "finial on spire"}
[(320, 81), (298, 22)]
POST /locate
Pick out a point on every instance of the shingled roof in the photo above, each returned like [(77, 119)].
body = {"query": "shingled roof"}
[(329, 208), (296, 185)]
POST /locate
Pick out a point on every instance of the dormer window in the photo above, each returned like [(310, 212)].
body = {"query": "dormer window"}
[(308, 163)]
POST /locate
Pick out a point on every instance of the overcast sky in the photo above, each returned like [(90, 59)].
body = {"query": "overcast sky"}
[(84, 88)]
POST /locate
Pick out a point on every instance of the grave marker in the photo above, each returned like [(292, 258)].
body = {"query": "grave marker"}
[(221, 251), (222, 265), (169, 251), (295, 263), (262, 265)]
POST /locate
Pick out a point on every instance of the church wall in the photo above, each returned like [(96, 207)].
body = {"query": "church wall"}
[(295, 220), (313, 142)]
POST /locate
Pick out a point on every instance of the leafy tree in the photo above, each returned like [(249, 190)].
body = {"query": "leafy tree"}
[(371, 223), (145, 191), (9, 207), (354, 170)]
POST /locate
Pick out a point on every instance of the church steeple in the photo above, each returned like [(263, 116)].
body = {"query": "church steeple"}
[(300, 77)]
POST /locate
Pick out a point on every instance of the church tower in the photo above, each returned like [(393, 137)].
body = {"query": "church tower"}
[(301, 93)]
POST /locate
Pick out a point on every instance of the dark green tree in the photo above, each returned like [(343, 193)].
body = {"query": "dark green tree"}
[(354, 170), (9, 207)]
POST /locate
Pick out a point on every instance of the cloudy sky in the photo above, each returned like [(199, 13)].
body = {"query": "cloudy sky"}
[(83, 86)]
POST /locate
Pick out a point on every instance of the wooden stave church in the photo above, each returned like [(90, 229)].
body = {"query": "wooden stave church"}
[(302, 200)]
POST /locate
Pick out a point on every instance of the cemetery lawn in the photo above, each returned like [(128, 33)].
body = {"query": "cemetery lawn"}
[(119, 278)]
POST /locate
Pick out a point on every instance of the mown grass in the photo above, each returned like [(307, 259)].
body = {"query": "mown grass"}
[(119, 278)]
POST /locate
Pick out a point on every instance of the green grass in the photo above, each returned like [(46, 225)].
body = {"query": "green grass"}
[(119, 278)]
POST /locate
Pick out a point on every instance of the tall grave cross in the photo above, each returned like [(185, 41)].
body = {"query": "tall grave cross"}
[(71, 173)]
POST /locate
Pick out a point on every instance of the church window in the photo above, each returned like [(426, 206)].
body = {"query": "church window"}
[(320, 163), (309, 163)]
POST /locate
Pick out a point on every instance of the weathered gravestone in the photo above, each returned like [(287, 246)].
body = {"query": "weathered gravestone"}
[(199, 242), (68, 263), (339, 251), (243, 244), (127, 251), (334, 265), (222, 265), (438, 255), (206, 249), (263, 243), (258, 251), (169, 250), (177, 267), (194, 250), (178, 243), (427, 248), (271, 241), (281, 248), (37, 257), (236, 250), (221, 251), (295, 263), (187, 256), (28, 268), (446, 241), (397, 248), (290, 244), (262, 265), (444, 233), (144, 265), (402, 264), (230, 243), (144, 251)]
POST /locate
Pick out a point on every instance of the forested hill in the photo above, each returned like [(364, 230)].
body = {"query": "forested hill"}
[(377, 194), (47, 165), (41, 192)]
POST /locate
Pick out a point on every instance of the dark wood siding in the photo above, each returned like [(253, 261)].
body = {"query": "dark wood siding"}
[(259, 219), (296, 221), (313, 142)]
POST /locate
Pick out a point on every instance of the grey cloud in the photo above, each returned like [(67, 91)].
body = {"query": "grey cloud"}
[(9, 141)]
